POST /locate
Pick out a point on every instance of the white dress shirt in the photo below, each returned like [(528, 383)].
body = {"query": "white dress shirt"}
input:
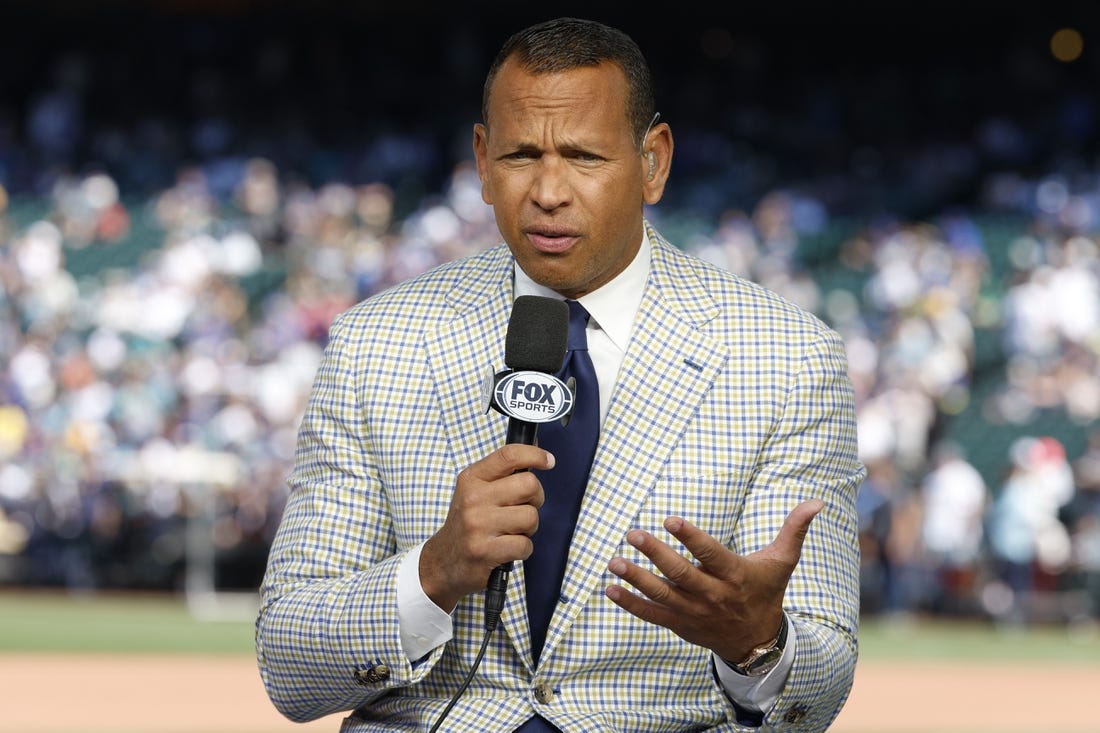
[(612, 308)]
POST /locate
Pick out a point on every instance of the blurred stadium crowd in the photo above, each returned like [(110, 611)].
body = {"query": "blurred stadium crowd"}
[(166, 284)]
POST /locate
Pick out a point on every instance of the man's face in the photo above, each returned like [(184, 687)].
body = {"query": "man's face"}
[(565, 178)]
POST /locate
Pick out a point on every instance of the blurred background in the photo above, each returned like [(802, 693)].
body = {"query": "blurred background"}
[(190, 191)]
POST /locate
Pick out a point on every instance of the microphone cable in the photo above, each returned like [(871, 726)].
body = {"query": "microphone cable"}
[(494, 603)]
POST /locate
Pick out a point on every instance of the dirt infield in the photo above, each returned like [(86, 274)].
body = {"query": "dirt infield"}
[(222, 694)]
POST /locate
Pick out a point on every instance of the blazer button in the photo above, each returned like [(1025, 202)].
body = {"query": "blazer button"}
[(544, 693), (372, 675), (796, 713)]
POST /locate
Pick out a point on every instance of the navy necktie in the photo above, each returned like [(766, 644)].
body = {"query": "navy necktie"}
[(573, 447)]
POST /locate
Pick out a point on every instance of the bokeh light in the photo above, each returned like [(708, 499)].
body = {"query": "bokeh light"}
[(1067, 44)]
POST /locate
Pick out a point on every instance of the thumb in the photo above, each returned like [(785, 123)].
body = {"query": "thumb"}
[(788, 545)]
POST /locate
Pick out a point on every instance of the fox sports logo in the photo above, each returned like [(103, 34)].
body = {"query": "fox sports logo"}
[(533, 396)]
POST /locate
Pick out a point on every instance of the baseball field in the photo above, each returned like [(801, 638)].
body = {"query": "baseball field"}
[(145, 664)]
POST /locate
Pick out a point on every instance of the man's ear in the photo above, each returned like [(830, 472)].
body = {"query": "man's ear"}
[(656, 162), (481, 158)]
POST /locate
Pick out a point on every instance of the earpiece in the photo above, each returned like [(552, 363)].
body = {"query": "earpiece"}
[(652, 164)]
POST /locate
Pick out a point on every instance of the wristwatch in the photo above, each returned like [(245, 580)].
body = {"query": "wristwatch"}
[(762, 659)]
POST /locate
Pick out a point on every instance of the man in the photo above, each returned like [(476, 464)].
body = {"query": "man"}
[(697, 595)]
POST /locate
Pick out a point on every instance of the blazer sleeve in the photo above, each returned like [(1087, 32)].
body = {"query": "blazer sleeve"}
[(812, 453), (327, 633)]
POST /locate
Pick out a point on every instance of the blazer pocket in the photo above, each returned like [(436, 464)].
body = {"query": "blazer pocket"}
[(712, 502)]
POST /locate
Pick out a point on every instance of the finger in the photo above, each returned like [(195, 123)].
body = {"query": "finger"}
[(652, 586), (522, 519), (509, 459), (640, 607), (511, 548), (669, 561), (713, 556), (678, 571), (788, 544), (518, 489)]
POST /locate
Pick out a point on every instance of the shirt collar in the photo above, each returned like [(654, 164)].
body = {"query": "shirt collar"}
[(613, 306)]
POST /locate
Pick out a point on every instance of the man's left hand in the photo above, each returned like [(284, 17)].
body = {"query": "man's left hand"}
[(727, 603)]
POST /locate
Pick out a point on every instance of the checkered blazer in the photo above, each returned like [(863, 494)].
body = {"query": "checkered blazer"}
[(732, 406)]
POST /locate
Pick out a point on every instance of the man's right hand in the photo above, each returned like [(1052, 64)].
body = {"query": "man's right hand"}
[(493, 514)]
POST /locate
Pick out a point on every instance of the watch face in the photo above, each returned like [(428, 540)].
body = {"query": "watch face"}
[(764, 663)]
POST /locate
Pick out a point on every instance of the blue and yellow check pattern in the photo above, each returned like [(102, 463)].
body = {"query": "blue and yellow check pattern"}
[(732, 406)]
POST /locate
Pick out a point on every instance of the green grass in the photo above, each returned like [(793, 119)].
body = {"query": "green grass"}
[(46, 622), (939, 640), (127, 623)]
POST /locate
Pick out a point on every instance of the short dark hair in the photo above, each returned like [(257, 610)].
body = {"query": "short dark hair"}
[(569, 43)]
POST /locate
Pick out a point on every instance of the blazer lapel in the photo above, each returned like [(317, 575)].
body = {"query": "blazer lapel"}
[(463, 350), (462, 353)]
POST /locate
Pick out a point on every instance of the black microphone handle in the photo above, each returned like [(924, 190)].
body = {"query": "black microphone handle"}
[(519, 431)]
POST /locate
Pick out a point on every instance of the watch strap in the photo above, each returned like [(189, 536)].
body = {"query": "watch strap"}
[(764, 658)]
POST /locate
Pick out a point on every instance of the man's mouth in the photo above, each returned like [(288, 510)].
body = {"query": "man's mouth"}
[(552, 242)]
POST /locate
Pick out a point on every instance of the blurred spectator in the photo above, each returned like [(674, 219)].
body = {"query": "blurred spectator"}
[(897, 579), (1029, 542), (1086, 475), (1084, 526), (955, 497)]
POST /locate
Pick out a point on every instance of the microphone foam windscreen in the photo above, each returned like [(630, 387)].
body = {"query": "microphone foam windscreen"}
[(538, 334)]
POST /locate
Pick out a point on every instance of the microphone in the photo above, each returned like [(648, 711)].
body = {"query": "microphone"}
[(528, 393)]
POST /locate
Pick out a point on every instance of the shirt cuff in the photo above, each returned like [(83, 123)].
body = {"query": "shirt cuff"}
[(424, 625), (758, 693)]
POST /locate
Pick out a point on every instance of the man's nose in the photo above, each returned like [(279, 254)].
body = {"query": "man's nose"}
[(550, 187)]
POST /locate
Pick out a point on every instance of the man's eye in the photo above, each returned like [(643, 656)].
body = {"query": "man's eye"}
[(582, 157)]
